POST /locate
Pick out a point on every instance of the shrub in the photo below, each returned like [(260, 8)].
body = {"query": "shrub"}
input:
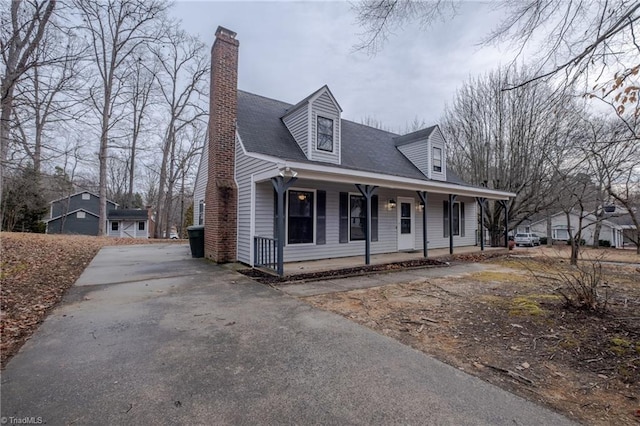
[(543, 241), (582, 242), (580, 286), (604, 243)]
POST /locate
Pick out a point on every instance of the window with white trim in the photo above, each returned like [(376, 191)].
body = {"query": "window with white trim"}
[(437, 159), (114, 226), (141, 226), (86, 196), (457, 219), (81, 215), (560, 233), (300, 217), (201, 212), (357, 217), (324, 134)]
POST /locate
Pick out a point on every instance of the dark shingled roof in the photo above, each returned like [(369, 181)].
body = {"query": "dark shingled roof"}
[(412, 137), (364, 148), (127, 214)]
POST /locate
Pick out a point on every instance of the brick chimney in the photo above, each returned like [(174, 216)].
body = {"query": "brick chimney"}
[(221, 197)]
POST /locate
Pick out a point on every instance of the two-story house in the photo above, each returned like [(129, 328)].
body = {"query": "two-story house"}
[(79, 214), (76, 214), (281, 182)]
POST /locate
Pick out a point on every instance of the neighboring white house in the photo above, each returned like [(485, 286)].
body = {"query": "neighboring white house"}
[(128, 223), (609, 231), (327, 168)]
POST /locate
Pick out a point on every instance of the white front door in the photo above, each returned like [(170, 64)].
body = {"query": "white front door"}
[(406, 226)]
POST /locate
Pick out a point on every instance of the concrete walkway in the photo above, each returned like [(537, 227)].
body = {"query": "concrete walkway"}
[(150, 336)]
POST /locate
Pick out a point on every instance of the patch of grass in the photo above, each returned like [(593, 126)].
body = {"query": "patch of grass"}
[(618, 341), (521, 306), (545, 296), (8, 270), (496, 276)]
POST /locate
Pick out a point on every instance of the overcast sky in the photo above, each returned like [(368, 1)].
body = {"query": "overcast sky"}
[(290, 49)]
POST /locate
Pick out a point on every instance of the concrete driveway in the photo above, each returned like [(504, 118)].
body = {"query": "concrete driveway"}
[(150, 336)]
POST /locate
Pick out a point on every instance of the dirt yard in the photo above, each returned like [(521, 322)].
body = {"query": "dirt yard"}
[(35, 272), (514, 330)]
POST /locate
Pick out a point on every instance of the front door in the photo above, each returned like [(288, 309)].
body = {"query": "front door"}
[(406, 227)]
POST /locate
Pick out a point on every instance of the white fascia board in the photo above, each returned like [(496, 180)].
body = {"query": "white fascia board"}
[(339, 175)]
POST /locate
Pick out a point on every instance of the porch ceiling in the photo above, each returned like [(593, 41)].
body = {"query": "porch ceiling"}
[(341, 175)]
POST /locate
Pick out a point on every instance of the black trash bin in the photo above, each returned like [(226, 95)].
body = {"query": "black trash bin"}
[(196, 240)]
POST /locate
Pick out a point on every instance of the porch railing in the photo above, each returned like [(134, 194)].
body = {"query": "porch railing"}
[(265, 252)]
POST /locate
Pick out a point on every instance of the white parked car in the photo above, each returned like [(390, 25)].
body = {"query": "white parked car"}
[(527, 240)]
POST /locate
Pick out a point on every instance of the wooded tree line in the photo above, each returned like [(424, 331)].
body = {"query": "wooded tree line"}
[(107, 96), (560, 132)]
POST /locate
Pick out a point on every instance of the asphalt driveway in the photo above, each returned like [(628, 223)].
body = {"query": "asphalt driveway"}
[(150, 336)]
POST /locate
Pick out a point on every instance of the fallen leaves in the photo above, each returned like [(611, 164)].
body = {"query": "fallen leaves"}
[(35, 272)]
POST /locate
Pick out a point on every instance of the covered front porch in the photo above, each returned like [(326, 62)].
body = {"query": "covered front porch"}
[(357, 218)]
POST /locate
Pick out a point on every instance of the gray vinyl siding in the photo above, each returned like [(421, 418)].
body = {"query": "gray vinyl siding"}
[(76, 202), (437, 141), (387, 222), (131, 227), (73, 225), (323, 106), (111, 233), (418, 153), (201, 183), (435, 223), (245, 166), (298, 125)]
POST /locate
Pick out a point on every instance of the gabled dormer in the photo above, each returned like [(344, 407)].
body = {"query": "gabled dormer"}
[(314, 123), (426, 150)]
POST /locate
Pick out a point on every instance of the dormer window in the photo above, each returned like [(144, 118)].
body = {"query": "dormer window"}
[(437, 159), (324, 137)]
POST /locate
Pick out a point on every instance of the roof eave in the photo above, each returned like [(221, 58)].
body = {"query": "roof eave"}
[(342, 175)]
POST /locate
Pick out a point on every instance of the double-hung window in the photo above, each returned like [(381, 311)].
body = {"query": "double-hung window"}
[(357, 217), (437, 159), (300, 217), (457, 219), (324, 134), (201, 212)]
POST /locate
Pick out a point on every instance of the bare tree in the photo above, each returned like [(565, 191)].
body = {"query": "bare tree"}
[(116, 29), (508, 140), (141, 86), (589, 42), (182, 81), (46, 95), (614, 153), (19, 39)]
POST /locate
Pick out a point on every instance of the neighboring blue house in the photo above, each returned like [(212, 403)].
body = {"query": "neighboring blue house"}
[(283, 183), (76, 214)]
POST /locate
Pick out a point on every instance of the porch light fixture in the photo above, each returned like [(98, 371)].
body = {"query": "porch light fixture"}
[(287, 171), (420, 206), (392, 203)]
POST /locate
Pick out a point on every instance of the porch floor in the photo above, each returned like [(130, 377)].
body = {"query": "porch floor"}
[(291, 268)]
